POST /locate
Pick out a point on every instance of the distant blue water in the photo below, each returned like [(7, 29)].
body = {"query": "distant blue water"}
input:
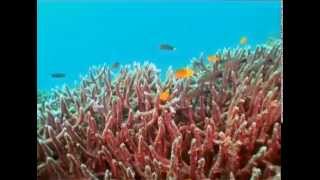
[(72, 36)]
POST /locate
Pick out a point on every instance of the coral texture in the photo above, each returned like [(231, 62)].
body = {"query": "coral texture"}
[(222, 123)]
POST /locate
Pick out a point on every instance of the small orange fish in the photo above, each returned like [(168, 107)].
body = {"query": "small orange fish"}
[(184, 73), (243, 40), (214, 58), (164, 96)]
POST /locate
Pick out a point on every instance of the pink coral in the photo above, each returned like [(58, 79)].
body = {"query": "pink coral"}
[(224, 123)]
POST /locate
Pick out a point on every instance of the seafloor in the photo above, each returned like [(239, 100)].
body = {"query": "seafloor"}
[(222, 123)]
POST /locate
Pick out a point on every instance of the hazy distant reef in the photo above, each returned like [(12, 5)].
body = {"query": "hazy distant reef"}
[(223, 122)]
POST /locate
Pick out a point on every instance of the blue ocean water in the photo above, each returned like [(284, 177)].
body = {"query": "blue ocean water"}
[(74, 35)]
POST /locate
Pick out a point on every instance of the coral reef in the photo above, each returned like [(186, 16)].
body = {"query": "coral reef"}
[(222, 123), (42, 96)]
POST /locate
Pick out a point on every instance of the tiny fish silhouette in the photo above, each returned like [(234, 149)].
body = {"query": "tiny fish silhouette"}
[(243, 40), (214, 58), (115, 65), (167, 47), (243, 60), (58, 75)]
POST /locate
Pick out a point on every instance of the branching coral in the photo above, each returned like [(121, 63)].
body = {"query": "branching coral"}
[(223, 123)]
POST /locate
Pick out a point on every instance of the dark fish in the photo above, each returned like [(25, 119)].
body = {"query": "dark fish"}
[(58, 75), (268, 61), (167, 47), (115, 65), (243, 60)]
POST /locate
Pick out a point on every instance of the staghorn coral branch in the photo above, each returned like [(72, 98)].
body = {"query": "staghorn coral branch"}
[(87, 173), (56, 168), (107, 175), (74, 165), (256, 173)]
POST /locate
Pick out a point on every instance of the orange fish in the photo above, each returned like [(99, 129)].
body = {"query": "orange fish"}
[(243, 40), (164, 96), (214, 58), (184, 73)]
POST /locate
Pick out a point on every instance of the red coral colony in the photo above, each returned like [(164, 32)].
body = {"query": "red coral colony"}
[(222, 123)]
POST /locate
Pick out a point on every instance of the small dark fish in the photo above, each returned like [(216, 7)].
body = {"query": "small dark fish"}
[(243, 60), (218, 74), (115, 65), (268, 61), (167, 47), (58, 75)]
